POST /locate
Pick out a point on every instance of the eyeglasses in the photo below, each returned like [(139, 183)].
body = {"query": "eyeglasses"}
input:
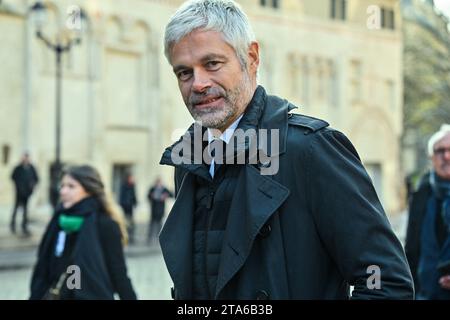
[(441, 151)]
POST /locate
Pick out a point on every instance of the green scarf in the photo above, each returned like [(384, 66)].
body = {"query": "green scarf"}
[(70, 223)]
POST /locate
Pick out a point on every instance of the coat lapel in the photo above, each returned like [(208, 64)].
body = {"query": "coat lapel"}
[(176, 238), (263, 196)]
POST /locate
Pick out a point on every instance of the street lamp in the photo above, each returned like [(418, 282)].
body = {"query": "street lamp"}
[(66, 39)]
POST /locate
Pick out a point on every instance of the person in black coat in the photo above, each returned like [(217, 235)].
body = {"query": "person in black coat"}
[(127, 200), (157, 196), (428, 234), (25, 179), (81, 253), (287, 211)]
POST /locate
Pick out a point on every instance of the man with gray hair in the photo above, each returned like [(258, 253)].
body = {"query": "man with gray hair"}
[(297, 219), (428, 235)]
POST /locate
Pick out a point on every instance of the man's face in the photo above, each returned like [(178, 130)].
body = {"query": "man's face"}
[(215, 87), (25, 159), (441, 157), (130, 179)]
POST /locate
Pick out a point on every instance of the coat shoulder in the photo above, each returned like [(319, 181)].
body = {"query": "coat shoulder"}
[(307, 123), (314, 132), (303, 131)]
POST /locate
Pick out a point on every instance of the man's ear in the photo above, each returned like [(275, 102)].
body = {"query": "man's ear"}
[(253, 57)]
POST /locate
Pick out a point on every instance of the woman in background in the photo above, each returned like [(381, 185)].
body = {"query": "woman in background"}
[(81, 254)]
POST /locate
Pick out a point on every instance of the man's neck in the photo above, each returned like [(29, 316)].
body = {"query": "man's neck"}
[(226, 134), (229, 123)]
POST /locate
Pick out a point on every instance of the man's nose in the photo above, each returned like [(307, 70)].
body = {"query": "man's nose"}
[(62, 191), (202, 81), (447, 154)]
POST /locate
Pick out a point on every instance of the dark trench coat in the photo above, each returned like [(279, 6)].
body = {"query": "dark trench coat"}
[(307, 232)]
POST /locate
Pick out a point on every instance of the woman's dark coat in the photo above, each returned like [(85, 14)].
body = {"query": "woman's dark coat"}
[(98, 253)]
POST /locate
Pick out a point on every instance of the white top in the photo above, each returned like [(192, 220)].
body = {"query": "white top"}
[(224, 136)]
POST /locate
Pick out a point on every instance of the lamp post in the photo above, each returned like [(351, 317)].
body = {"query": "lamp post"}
[(66, 39)]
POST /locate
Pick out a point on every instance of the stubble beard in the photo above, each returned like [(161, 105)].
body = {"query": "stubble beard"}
[(234, 101)]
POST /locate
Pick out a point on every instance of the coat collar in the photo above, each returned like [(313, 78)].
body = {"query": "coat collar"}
[(82, 208)]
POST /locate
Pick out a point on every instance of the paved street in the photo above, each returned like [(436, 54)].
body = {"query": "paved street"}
[(18, 253), (147, 272)]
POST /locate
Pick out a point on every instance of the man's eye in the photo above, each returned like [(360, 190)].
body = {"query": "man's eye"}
[(184, 75), (213, 64)]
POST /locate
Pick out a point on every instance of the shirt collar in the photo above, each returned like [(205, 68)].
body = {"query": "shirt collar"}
[(226, 135)]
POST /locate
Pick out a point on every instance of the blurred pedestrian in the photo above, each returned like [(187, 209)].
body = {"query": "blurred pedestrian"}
[(428, 235), (128, 202), (25, 179), (157, 196), (85, 232)]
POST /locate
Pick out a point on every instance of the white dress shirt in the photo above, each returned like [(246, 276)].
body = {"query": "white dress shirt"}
[(224, 136)]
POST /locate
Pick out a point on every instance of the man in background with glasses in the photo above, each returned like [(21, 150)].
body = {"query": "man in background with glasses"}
[(428, 235)]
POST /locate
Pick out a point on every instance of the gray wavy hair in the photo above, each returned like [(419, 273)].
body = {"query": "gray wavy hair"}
[(224, 16), (443, 131)]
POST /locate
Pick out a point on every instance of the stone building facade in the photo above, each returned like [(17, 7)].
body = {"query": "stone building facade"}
[(340, 60)]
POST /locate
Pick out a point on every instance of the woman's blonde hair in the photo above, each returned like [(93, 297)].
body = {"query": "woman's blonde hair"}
[(90, 180)]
